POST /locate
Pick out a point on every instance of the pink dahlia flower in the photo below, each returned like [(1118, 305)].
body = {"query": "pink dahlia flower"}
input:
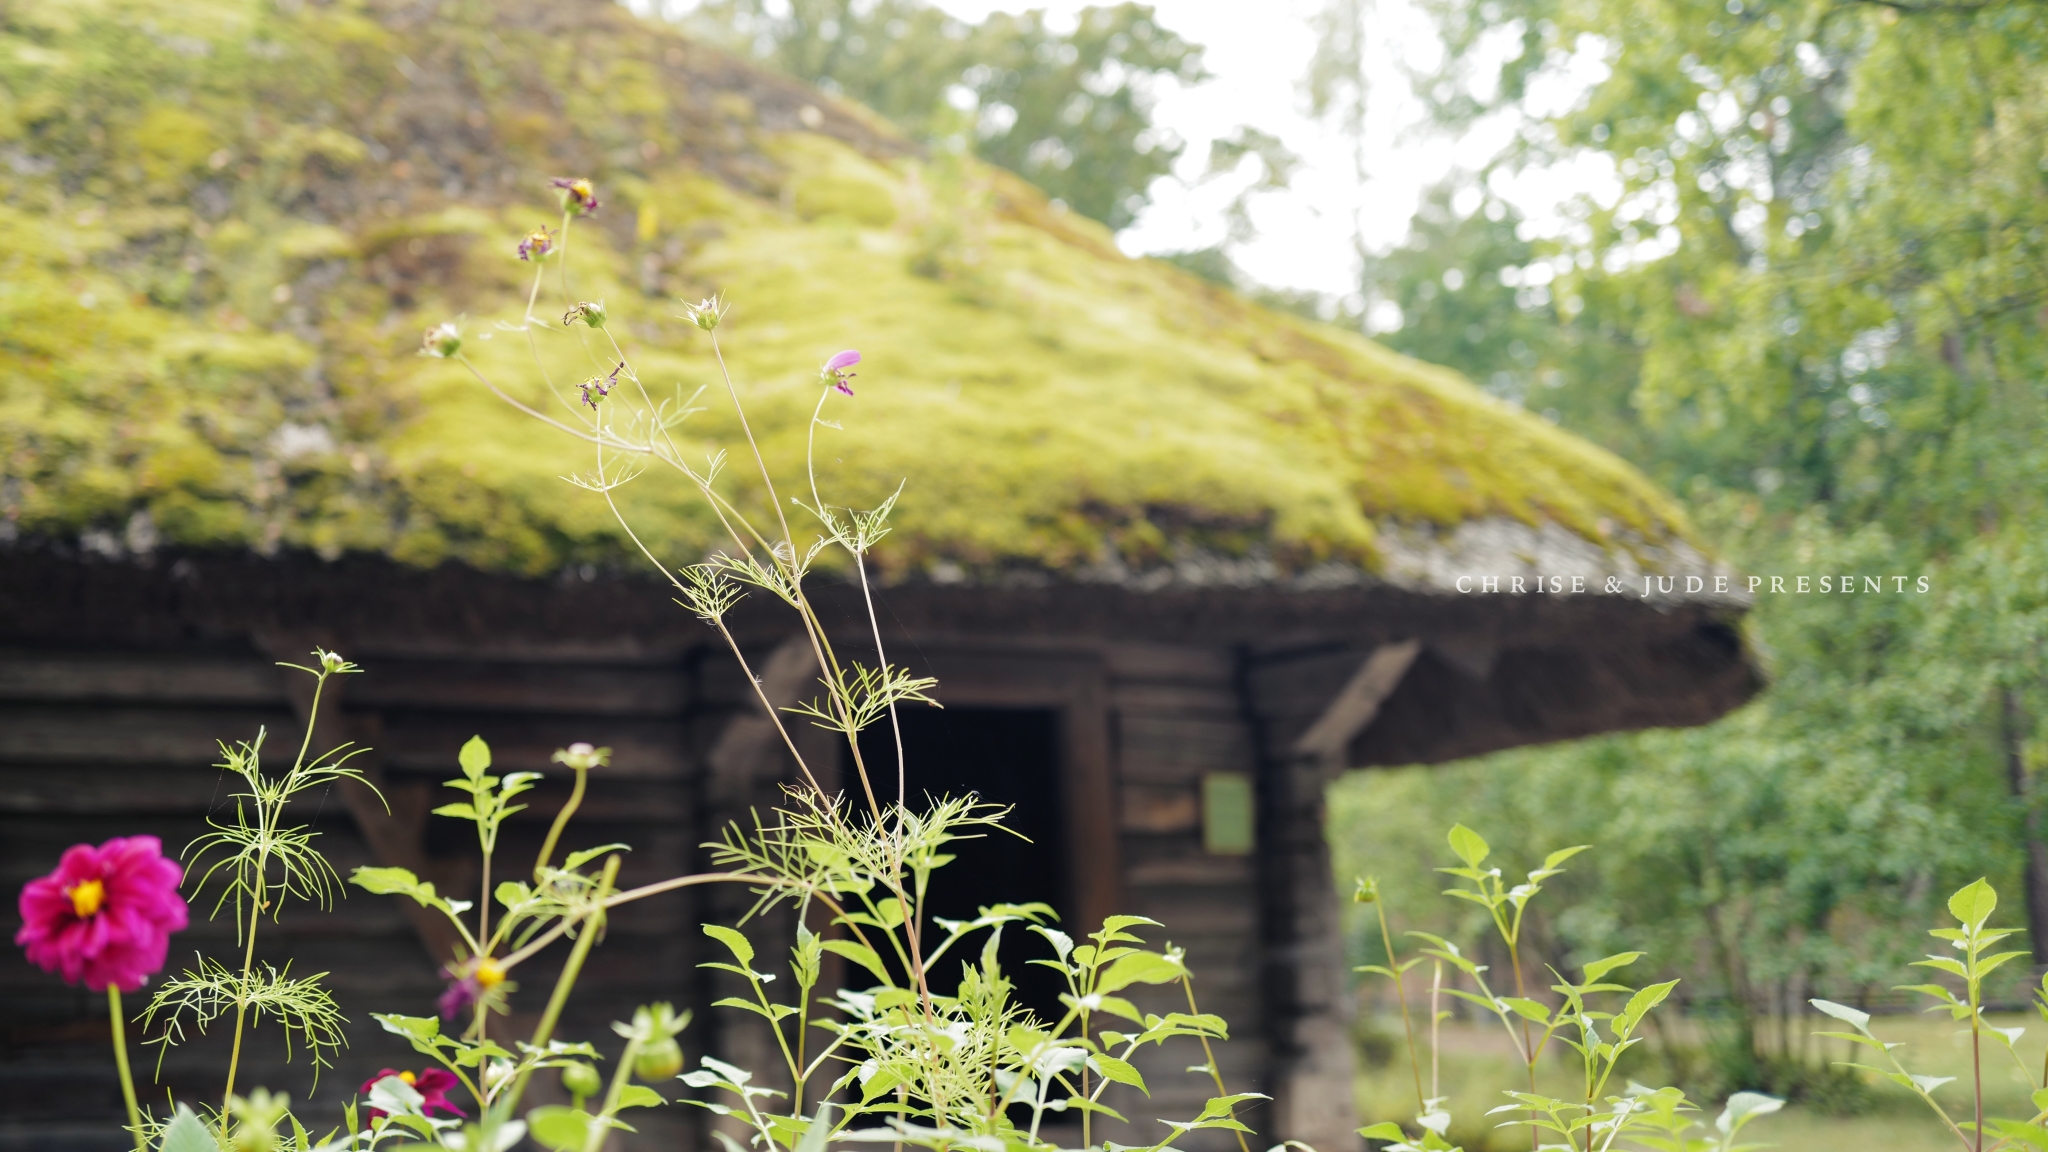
[(106, 915)]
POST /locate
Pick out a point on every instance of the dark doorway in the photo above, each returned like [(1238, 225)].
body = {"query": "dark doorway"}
[(1007, 756)]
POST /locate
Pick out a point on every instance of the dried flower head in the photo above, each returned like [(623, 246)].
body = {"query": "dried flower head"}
[(579, 196), (597, 388), (106, 915), (835, 372), (443, 340), (706, 313), (591, 313), (537, 245)]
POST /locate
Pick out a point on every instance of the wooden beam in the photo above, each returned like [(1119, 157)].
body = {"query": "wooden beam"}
[(1358, 702)]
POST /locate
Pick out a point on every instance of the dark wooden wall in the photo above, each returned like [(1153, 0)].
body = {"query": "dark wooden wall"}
[(119, 740)]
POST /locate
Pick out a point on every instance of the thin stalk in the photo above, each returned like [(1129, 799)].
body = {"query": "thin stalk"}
[(547, 846), (1977, 1065), (1436, 1019), (593, 923), (1187, 984), (596, 1133), (1401, 993), (121, 1062)]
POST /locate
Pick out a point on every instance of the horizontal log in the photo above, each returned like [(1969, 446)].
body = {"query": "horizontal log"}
[(179, 678)]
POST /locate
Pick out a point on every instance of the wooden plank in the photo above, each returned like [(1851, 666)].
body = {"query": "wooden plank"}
[(1159, 810), (69, 734), (1167, 662), (161, 678), (1209, 699), (427, 743), (536, 689)]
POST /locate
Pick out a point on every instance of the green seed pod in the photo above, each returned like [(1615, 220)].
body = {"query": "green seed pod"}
[(659, 1060), (581, 1080)]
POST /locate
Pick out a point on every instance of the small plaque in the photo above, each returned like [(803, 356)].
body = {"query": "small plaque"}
[(1227, 825)]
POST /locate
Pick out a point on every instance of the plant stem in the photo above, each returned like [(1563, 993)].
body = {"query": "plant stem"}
[(547, 846), (1187, 984), (596, 1133), (592, 924), (1436, 1019), (1401, 993), (121, 1062)]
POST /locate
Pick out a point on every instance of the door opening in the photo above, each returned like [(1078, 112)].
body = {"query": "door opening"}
[(1007, 756)]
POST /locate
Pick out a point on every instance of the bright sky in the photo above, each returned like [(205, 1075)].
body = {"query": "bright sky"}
[(1305, 233), (1257, 53)]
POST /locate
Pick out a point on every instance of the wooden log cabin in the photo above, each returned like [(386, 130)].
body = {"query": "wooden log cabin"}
[(1175, 560)]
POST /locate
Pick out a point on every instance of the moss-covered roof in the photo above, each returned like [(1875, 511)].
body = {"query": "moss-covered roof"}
[(224, 223)]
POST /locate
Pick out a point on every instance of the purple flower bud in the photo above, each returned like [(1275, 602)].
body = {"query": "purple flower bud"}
[(537, 244), (578, 195), (835, 371)]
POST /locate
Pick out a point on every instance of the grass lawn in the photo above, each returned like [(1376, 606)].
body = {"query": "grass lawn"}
[(1477, 1063)]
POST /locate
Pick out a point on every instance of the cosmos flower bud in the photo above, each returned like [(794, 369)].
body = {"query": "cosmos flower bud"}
[(706, 313), (1368, 891), (579, 196), (597, 388), (442, 340), (581, 1080), (537, 245), (590, 313), (659, 1060), (836, 371), (582, 757)]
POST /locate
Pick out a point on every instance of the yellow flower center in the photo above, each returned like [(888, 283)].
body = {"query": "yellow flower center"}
[(86, 898), (408, 1077), (582, 189), (489, 973)]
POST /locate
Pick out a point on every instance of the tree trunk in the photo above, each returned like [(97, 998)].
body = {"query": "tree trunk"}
[(2014, 723)]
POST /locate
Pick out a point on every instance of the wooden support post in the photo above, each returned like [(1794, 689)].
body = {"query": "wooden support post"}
[(1309, 992)]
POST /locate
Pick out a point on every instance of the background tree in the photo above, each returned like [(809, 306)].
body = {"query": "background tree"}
[(1815, 308), (1069, 111)]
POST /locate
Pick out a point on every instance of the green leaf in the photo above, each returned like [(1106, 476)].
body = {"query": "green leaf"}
[(459, 811), (579, 859), (2032, 1135), (1551, 861), (640, 1096), (1852, 1017), (1383, 1131), (1602, 967), (1470, 846), (1139, 968), (1973, 903), (475, 757), (862, 955), (738, 944), (559, 1127), (1529, 1009), (1119, 1072), (187, 1133), (512, 893)]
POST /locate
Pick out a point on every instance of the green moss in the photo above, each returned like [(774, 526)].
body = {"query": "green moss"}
[(212, 315)]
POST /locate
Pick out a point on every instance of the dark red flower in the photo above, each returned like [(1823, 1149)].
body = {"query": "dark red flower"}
[(434, 1084), (106, 915)]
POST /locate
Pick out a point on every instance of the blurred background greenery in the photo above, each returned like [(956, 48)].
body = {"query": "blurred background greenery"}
[(1809, 297)]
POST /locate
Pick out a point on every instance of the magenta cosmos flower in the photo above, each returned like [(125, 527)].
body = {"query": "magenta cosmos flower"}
[(433, 1085), (106, 915), (835, 371)]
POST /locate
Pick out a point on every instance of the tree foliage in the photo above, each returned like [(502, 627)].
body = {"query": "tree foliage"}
[(1071, 111), (1814, 307)]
